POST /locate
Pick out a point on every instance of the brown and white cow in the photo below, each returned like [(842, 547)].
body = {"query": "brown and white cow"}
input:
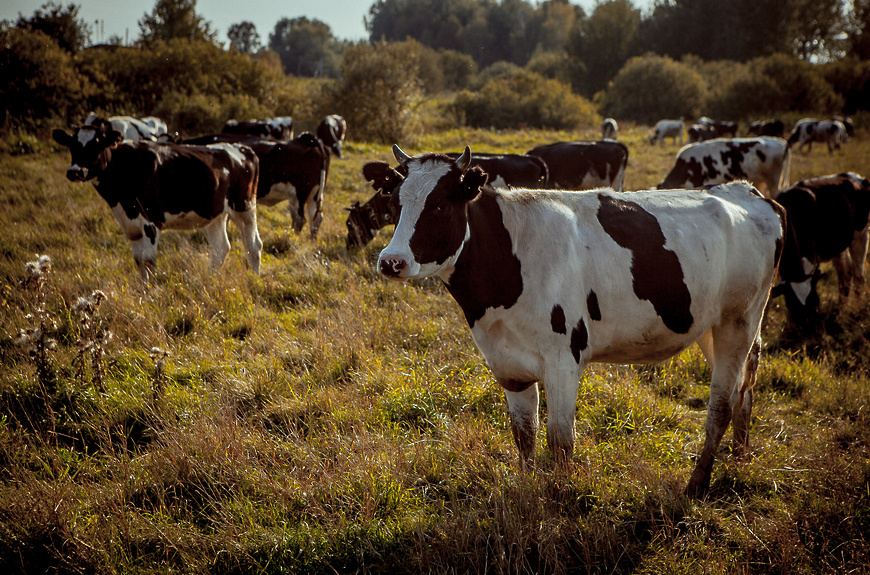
[(552, 281), (763, 161), (504, 170), (151, 187), (584, 165), (332, 131), (828, 219), (295, 171), (667, 129), (807, 130)]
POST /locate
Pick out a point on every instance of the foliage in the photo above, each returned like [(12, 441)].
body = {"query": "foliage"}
[(306, 47), (243, 37), (378, 89), (63, 24), (175, 19), (523, 99), (652, 87)]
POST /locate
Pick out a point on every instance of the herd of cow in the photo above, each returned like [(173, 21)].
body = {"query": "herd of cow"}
[(548, 279)]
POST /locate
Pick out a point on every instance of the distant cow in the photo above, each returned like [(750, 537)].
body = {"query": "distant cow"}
[(828, 219), (552, 281), (511, 170), (762, 161), (701, 133), (584, 165), (807, 131), (151, 187), (364, 221), (130, 128), (774, 128), (609, 129), (278, 128), (332, 131), (295, 171), (667, 129)]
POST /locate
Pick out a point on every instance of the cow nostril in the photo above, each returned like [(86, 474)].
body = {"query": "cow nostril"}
[(392, 268)]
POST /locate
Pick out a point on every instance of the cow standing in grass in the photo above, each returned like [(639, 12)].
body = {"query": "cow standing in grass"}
[(551, 281), (151, 187)]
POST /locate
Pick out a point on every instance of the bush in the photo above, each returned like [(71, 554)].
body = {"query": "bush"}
[(524, 99), (851, 79), (652, 87)]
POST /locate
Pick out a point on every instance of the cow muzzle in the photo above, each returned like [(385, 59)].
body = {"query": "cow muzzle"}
[(392, 268)]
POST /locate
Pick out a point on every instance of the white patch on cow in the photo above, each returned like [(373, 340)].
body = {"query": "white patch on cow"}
[(802, 290), (498, 182), (422, 179), (235, 153), (85, 136)]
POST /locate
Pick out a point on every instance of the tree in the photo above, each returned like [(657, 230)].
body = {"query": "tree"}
[(244, 38), (859, 29), (175, 19), (62, 24), (306, 47)]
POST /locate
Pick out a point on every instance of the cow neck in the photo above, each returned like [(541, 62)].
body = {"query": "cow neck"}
[(487, 271), (109, 186)]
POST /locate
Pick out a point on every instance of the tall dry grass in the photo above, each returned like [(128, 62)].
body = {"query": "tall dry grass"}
[(318, 419)]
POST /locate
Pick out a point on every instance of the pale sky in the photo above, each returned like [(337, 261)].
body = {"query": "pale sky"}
[(121, 17)]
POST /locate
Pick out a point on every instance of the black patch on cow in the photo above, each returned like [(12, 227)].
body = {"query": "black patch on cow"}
[(488, 273), (150, 231), (514, 385), (656, 271), (761, 155), (592, 306), (579, 339), (557, 320)]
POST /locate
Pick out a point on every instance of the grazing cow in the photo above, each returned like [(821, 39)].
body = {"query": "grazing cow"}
[(278, 128), (828, 219), (365, 220), (331, 131), (667, 129), (773, 128), (762, 161), (807, 131), (609, 129), (584, 165), (551, 281), (295, 171), (131, 128), (847, 124), (701, 133), (151, 187)]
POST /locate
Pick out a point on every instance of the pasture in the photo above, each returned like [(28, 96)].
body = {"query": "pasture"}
[(320, 419)]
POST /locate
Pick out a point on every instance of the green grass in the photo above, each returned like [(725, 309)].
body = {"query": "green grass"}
[(318, 419)]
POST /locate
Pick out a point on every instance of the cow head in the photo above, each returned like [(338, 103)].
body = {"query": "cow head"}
[(364, 221), (433, 222), (87, 145)]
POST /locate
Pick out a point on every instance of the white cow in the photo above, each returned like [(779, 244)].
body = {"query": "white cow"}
[(668, 129), (550, 281), (131, 128), (609, 129)]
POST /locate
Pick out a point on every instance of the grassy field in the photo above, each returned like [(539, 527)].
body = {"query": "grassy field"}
[(319, 419)]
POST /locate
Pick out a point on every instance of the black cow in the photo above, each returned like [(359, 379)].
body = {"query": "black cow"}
[(332, 131), (827, 219), (511, 170), (584, 165), (151, 186), (295, 171), (277, 128), (773, 128)]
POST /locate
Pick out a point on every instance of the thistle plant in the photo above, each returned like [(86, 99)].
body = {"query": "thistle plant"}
[(94, 338), (36, 338), (158, 356)]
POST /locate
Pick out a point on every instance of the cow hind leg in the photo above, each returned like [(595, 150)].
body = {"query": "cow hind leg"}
[(523, 409), (313, 209), (216, 231), (729, 387), (145, 251), (246, 221)]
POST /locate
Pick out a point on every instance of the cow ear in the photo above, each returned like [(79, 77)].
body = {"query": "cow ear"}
[(464, 161), (62, 137), (382, 176), (471, 183)]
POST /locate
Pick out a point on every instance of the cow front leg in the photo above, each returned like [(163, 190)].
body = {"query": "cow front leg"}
[(561, 388), (246, 221), (216, 232), (522, 400)]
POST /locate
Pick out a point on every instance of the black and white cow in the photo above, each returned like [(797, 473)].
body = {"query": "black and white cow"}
[(295, 171), (584, 165), (774, 128), (552, 281), (763, 161), (277, 128), (151, 187), (701, 133), (808, 130), (511, 170), (149, 128), (609, 129), (332, 131), (828, 219), (667, 129)]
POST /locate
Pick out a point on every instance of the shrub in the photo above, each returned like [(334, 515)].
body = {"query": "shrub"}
[(652, 87), (524, 99)]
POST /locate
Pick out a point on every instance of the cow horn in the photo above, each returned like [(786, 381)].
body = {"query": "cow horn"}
[(463, 161), (401, 156)]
